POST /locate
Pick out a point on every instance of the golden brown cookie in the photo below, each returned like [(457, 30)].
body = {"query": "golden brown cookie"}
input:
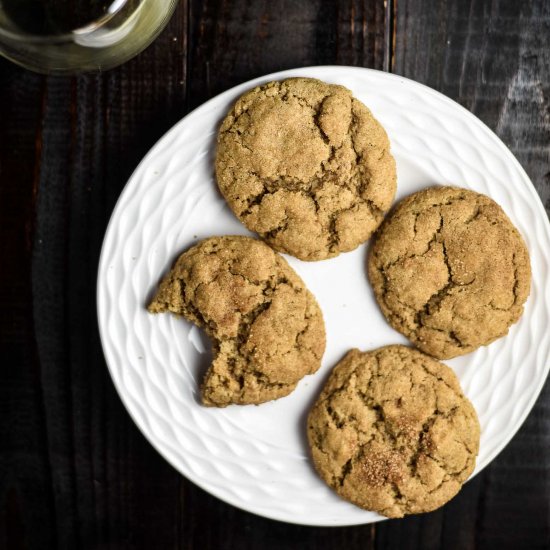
[(449, 271), (392, 431), (306, 166), (266, 328)]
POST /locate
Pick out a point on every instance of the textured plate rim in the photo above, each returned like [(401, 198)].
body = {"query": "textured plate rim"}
[(506, 152)]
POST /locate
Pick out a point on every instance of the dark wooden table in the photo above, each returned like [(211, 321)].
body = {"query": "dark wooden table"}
[(74, 470)]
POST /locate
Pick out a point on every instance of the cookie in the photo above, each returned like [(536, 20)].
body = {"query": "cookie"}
[(266, 328), (449, 271), (306, 166), (392, 431)]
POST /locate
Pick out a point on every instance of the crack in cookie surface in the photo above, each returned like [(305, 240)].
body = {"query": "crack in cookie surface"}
[(266, 328), (306, 166), (449, 270), (392, 431)]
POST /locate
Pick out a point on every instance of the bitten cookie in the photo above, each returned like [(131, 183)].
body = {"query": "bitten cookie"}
[(266, 328), (306, 166), (392, 431), (449, 271)]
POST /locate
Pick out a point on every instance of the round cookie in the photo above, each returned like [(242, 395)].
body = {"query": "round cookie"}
[(306, 166), (449, 271), (266, 328), (392, 431)]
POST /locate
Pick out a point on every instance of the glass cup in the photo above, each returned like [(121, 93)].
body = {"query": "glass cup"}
[(69, 36)]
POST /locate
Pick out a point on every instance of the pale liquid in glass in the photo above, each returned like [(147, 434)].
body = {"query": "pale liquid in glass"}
[(79, 35)]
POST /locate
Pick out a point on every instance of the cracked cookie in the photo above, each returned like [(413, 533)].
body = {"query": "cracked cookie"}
[(306, 166), (449, 271), (267, 329), (392, 431)]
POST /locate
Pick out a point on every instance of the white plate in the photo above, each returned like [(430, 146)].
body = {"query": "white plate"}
[(255, 457)]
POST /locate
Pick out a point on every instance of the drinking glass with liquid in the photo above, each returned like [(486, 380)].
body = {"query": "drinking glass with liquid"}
[(69, 36)]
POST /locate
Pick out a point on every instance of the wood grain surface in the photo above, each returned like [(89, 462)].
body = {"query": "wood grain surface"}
[(74, 470)]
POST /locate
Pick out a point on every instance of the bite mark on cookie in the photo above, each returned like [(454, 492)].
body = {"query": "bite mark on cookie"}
[(266, 328)]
